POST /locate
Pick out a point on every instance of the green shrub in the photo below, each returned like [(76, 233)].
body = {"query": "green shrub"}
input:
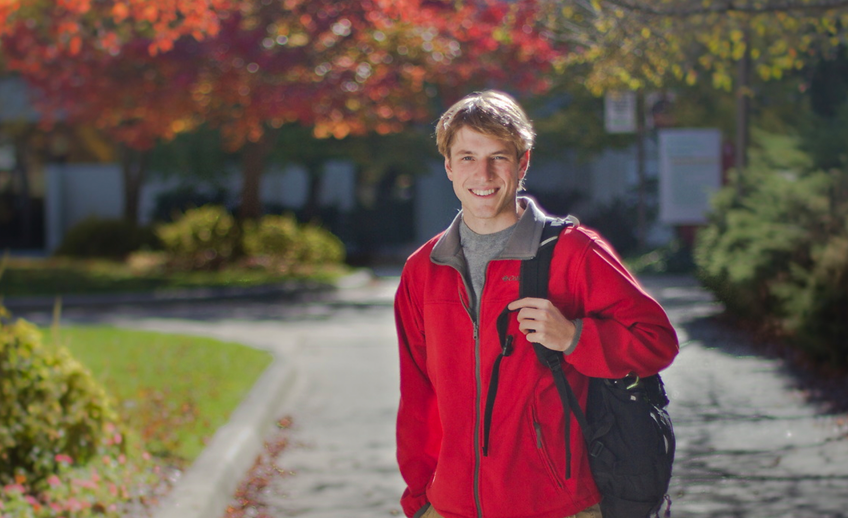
[(205, 238), (50, 406), (279, 241), (275, 237), (320, 246), (778, 254), (96, 237)]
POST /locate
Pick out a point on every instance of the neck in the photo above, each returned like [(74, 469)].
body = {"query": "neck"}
[(492, 225)]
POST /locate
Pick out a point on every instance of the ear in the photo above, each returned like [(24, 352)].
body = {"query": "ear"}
[(523, 164), (448, 169)]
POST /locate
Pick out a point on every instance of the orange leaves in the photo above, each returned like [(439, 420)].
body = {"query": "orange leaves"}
[(149, 69), (120, 12), (75, 6)]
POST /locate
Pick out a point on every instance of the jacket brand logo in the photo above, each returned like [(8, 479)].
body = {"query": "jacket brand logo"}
[(513, 278)]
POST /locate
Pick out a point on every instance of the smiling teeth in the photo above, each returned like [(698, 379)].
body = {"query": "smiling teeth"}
[(483, 193)]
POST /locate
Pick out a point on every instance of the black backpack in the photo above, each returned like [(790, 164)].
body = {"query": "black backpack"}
[(627, 429)]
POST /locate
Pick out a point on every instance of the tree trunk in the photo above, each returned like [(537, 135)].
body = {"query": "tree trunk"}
[(743, 108), (134, 169), (641, 210), (23, 204), (312, 210), (254, 156)]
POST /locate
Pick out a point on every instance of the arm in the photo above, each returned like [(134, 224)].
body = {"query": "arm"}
[(622, 329), (418, 426)]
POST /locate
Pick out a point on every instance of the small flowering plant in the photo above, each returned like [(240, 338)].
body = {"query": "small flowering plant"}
[(107, 486)]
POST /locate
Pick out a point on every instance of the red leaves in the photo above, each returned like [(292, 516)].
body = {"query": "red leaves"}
[(143, 70)]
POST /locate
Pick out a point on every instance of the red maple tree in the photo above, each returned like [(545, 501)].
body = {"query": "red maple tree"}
[(249, 66)]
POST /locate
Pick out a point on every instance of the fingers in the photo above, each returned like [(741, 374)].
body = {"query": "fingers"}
[(541, 322), (529, 302)]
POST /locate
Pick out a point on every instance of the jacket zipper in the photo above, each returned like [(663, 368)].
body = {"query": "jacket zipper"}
[(479, 380), (477, 368), (478, 362)]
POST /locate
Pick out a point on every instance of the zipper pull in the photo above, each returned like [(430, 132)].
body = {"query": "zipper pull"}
[(507, 348)]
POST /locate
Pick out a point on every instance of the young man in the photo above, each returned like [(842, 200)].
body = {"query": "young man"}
[(457, 463)]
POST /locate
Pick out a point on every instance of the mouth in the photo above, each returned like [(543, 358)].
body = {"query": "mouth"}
[(483, 192)]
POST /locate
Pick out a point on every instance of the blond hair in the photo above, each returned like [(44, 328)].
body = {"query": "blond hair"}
[(492, 113)]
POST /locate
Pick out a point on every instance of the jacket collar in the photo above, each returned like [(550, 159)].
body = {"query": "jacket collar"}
[(523, 243)]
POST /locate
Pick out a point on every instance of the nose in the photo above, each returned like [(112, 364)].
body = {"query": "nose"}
[(486, 171)]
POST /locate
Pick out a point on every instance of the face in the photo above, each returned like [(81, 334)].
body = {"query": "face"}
[(485, 173)]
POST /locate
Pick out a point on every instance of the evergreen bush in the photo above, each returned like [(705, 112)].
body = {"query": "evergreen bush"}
[(50, 406), (778, 253), (96, 237), (205, 238)]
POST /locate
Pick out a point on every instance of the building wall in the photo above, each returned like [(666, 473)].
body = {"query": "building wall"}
[(79, 190)]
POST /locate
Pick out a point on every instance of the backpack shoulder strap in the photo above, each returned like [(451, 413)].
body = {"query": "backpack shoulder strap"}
[(534, 272), (533, 282)]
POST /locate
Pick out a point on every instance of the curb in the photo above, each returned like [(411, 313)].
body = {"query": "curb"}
[(208, 485), (290, 288), (165, 296)]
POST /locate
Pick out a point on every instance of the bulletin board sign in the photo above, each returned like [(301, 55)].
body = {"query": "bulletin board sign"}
[(689, 173)]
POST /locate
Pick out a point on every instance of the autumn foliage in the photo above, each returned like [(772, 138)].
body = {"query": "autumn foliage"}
[(145, 70)]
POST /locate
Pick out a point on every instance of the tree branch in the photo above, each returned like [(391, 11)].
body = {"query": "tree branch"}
[(729, 6)]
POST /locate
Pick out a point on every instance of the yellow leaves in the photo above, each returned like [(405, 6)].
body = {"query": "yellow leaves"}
[(181, 125), (501, 35), (737, 35), (299, 39), (327, 129), (646, 33)]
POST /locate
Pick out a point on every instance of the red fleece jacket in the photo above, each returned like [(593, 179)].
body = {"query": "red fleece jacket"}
[(446, 364)]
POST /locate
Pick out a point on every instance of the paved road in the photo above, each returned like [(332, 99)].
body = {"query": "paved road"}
[(749, 443)]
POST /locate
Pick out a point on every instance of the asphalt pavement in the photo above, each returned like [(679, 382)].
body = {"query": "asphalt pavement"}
[(750, 441)]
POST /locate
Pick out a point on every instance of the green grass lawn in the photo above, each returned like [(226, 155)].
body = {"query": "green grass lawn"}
[(173, 390)]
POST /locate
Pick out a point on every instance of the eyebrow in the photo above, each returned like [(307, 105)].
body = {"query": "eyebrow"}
[(469, 152)]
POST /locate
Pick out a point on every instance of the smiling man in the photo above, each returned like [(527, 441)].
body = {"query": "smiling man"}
[(461, 456)]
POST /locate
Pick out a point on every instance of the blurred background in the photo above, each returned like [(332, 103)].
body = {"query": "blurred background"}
[(696, 136), (233, 161)]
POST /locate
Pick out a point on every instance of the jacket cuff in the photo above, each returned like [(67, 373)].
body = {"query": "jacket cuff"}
[(578, 325), (421, 511)]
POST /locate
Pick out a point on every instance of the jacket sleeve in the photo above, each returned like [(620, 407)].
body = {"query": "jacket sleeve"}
[(623, 329), (419, 430)]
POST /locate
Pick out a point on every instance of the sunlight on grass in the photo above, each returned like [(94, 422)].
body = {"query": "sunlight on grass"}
[(174, 390)]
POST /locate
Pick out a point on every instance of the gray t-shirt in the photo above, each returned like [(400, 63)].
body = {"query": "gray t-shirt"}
[(479, 249)]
